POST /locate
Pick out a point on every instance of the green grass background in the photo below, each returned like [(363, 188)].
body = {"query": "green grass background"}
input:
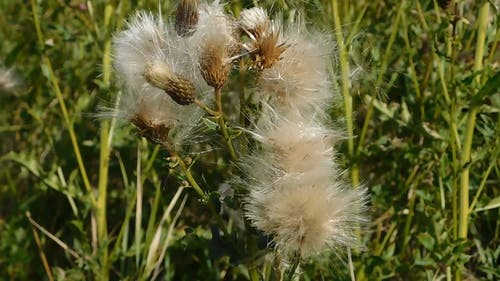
[(420, 87)]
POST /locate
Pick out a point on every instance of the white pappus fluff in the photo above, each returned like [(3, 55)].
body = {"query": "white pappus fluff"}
[(146, 40), (295, 191), (253, 18), (300, 78), (214, 28)]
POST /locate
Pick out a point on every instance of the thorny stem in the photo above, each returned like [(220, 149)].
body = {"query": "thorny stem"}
[(222, 124)]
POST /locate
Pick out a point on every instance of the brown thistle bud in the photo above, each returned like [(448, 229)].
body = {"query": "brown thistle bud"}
[(215, 64), (181, 90), (266, 51), (186, 17), (156, 133)]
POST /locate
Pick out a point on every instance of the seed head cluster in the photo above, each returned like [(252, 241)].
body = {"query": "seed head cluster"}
[(295, 192)]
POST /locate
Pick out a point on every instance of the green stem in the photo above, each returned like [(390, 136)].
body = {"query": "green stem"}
[(69, 125), (471, 123), (345, 84), (222, 124), (383, 68), (412, 69), (55, 85), (197, 188), (469, 133), (189, 176), (105, 148)]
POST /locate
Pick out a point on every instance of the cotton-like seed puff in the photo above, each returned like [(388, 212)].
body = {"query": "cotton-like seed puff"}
[(295, 191), (145, 51), (216, 44), (300, 78)]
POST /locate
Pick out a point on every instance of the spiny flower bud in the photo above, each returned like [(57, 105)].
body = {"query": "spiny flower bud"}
[(214, 64), (186, 17), (181, 90), (264, 49), (153, 131)]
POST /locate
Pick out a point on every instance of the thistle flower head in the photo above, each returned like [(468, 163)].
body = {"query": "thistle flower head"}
[(158, 79), (186, 17), (255, 21), (300, 78), (216, 44), (297, 144), (264, 48), (181, 90)]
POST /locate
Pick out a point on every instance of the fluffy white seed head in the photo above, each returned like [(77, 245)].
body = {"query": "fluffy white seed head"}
[(297, 144), (254, 19), (300, 78), (304, 218), (295, 191), (143, 40), (145, 52), (215, 43)]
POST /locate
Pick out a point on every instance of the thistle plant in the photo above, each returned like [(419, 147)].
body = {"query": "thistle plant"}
[(290, 186), (239, 140)]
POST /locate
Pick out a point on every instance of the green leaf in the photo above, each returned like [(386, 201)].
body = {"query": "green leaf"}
[(426, 240), (490, 87), (495, 203)]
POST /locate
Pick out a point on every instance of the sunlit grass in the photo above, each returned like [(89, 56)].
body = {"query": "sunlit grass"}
[(421, 108)]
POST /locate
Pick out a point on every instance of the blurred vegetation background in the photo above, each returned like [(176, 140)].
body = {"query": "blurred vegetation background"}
[(423, 77)]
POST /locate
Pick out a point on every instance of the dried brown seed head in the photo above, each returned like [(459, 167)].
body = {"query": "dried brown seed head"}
[(181, 90), (266, 51), (264, 48), (215, 64), (186, 17), (153, 131)]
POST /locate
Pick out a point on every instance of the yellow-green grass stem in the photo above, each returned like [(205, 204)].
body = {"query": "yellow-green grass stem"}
[(69, 125), (463, 215), (345, 84), (105, 148), (471, 123), (55, 86), (381, 72)]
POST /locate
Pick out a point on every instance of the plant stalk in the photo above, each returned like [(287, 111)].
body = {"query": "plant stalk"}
[(222, 125), (463, 214), (345, 84)]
